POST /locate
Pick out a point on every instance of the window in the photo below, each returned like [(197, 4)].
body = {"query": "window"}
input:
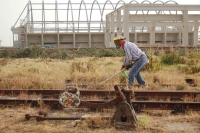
[(15, 37)]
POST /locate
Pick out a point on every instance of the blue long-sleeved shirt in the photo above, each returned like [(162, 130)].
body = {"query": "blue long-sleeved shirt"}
[(132, 52)]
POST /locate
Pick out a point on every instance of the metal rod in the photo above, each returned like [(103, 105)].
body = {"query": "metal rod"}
[(40, 118), (20, 14), (111, 77)]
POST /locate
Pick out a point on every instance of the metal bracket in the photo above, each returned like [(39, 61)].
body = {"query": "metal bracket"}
[(136, 107), (178, 108)]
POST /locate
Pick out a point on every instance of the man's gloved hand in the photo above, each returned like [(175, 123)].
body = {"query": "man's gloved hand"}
[(126, 67)]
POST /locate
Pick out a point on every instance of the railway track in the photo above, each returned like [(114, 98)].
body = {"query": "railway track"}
[(137, 93), (9, 98), (137, 105), (121, 102)]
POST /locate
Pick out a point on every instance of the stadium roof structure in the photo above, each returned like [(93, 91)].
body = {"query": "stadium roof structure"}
[(72, 25)]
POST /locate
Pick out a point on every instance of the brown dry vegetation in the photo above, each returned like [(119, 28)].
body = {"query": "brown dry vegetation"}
[(27, 73), (47, 73), (12, 121)]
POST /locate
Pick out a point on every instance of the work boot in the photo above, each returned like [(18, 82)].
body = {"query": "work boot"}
[(143, 86)]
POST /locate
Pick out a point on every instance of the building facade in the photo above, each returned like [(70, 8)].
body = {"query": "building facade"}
[(83, 25)]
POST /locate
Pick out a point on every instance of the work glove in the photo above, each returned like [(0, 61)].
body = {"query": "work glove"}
[(126, 67)]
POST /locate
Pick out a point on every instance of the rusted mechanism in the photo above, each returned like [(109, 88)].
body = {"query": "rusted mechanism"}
[(42, 116), (124, 115), (68, 99)]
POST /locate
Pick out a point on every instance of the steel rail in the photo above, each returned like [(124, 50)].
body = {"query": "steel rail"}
[(138, 105), (137, 93), (176, 106), (41, 118)]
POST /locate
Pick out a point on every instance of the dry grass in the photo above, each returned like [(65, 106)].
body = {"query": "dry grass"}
[(52, 74), (12, 121)]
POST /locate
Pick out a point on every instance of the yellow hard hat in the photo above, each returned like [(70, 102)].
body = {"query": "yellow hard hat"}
[(119, 38)]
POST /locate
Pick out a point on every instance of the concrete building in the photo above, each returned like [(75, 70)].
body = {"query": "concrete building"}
[(82, 25), (177, 29)]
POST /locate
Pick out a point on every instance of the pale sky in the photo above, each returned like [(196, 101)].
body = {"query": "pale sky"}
[(10, 10)]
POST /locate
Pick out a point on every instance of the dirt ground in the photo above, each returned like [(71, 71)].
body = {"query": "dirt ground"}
[(13, 121)]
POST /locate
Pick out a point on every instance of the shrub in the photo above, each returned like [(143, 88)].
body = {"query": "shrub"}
[(41, 52), (58, 53), (4, 53), (192, 62), (153, 65), (172, 59), (182, 52), (144, 121), (193, 54), (191, 69), (104, 52)]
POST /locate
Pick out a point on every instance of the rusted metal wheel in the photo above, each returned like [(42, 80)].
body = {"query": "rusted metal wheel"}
[(70, 100)]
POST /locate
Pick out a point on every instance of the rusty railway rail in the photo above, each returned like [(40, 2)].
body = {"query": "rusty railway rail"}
[(138, 105), (100, 104), (137, 93)]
